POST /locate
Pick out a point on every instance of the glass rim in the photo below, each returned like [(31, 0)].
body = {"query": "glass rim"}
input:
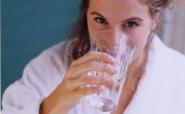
[(129, 40)]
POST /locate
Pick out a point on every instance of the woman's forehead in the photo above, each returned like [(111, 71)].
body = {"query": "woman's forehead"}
[(119, 8)]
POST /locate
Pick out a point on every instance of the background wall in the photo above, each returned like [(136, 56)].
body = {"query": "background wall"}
[(28, 27), (174, 28)]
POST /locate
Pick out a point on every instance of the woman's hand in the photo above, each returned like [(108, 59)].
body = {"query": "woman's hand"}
[(74, 85)]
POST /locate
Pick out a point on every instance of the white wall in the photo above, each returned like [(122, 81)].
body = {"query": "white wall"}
[(173, 28)]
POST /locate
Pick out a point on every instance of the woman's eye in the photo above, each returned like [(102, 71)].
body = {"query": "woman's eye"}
[(131, 24), (100, 20)]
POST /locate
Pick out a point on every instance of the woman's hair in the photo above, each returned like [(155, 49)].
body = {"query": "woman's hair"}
[(80, 28)]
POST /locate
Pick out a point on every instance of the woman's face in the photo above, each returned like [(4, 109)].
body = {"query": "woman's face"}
[(131, 17)]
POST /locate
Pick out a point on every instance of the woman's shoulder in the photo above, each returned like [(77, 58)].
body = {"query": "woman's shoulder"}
[(175, 61), (167, 54), (49, 66), (166, 62), (56, 57)]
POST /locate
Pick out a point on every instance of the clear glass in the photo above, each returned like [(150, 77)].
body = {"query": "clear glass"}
[(121, 48)]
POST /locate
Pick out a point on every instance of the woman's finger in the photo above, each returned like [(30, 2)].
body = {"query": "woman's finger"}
[(98, 56), (91, 66), (88, 81), (87, 91)]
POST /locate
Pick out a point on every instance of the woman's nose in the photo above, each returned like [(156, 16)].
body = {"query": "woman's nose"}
[(117, 36)]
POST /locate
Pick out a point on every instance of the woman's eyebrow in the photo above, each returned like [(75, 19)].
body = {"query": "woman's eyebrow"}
[(96, 13), (134, 18)]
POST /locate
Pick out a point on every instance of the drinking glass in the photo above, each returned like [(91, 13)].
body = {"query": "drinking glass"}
[(121, 48)]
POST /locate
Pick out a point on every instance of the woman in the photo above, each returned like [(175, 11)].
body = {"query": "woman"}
[(154, 82)]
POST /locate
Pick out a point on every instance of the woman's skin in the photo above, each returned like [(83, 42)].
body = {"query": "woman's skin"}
[(133, 19)]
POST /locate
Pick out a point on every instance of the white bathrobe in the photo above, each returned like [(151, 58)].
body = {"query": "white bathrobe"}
[(160, 91)]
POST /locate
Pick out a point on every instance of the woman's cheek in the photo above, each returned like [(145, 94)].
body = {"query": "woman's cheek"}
[(139, 41), (91, 27)]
